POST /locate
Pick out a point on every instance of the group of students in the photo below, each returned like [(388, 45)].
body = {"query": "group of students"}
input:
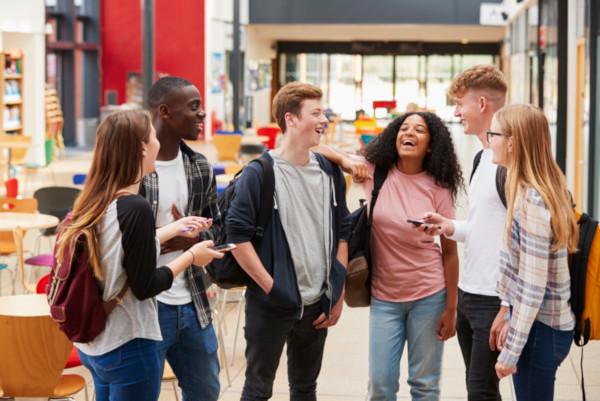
[(151, 201)]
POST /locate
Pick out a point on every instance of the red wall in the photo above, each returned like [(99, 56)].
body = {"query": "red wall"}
[(178, 42)]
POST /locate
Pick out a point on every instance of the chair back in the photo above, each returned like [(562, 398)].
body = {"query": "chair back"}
[(41, 285), (233, 168), (228, 145), (270, 132), (27, 205), (34, 353), (17, 155), (56, 201), (365, 139)]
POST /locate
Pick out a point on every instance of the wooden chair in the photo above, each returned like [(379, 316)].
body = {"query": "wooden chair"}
[(54, 121), (73, 360), (7, 240), (34, 352), (18, 234), (228, 145)]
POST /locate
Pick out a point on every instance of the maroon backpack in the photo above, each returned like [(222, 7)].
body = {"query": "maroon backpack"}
[(73, 293)]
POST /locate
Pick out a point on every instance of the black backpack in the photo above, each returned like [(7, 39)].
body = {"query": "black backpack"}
[(226, 272), (500, 177)]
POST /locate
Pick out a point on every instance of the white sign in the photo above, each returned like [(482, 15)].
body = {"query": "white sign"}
[(491, 14)]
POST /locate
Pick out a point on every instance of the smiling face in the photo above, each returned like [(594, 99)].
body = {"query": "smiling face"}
[(468, 109), (501, 145), (186, 113), (310, 125), (412, 141)]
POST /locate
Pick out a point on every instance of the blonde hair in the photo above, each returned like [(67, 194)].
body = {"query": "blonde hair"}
[(532, 164), (484, 78), (116, 163), (289, 100)]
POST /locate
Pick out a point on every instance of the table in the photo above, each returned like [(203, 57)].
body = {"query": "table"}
[(24, 305), (27, 221), (254, 139)]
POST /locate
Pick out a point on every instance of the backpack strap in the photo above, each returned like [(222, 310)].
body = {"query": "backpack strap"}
[(108, 306), (267, 191), (476, 161), (500, 182), (378, 179), (500, 177)]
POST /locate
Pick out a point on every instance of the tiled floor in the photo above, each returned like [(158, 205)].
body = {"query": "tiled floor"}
[(344, 371)]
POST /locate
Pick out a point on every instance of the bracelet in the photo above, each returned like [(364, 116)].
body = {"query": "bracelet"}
[(193, 258)]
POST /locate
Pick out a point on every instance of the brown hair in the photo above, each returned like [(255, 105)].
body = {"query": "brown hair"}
[(289, 100), (483, 77), (532, 165), (116, 163)]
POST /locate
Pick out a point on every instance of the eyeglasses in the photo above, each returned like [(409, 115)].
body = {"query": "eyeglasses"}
[(491, 134)]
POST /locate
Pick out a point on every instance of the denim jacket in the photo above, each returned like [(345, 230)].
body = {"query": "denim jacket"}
[(274, 252)]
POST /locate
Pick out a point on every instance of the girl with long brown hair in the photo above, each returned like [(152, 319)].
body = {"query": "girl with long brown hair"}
[(535, 335), (118, 226)]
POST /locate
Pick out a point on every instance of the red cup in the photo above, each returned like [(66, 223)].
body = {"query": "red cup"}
[(12, 188)]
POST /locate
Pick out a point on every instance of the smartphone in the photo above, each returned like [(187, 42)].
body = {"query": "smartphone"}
[(224, 247), (418, 223)]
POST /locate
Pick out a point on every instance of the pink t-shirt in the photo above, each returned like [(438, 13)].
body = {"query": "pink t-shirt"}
[(407, 264)]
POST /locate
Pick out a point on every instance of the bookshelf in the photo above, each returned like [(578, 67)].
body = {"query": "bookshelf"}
[(11, 101)]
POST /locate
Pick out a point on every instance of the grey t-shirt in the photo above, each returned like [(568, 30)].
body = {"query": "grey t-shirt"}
[(302, 195)]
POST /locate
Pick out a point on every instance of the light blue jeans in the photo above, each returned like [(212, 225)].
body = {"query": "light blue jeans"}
[(391, 325)]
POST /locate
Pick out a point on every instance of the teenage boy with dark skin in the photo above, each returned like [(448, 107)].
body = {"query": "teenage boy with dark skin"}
[(184, 184), (298, 271)]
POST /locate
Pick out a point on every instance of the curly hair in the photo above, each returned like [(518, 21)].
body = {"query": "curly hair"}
[(441, 162)]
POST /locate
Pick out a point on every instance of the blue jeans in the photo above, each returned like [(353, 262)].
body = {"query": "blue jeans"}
[(474, 318), (391, 325), (543, 353), (266, 333), (130, 372), (190, 350)]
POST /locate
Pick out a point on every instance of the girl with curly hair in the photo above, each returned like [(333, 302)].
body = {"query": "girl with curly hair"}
[(414, 281)]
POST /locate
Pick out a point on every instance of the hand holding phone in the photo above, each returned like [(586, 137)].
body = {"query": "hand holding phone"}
[(224, 247), (419, 223)]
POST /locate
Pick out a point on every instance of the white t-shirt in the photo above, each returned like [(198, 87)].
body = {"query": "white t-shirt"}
[(482, 231), (172, 188)]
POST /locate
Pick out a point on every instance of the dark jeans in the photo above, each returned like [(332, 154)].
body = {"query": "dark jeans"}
[(543, 353), (474, 318), (266, 333)]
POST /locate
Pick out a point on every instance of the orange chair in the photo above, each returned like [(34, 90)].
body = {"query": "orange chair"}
[(228, 145), (73, 360), (34, 352), (270, 132)]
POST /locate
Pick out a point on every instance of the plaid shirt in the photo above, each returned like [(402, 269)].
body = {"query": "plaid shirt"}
[(202, 201), (534, 279)]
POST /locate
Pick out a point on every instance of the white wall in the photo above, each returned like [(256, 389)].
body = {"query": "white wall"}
[(22, 25)]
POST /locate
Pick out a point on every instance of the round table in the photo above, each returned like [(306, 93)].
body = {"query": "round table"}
[(27, 221), (24, 305)]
